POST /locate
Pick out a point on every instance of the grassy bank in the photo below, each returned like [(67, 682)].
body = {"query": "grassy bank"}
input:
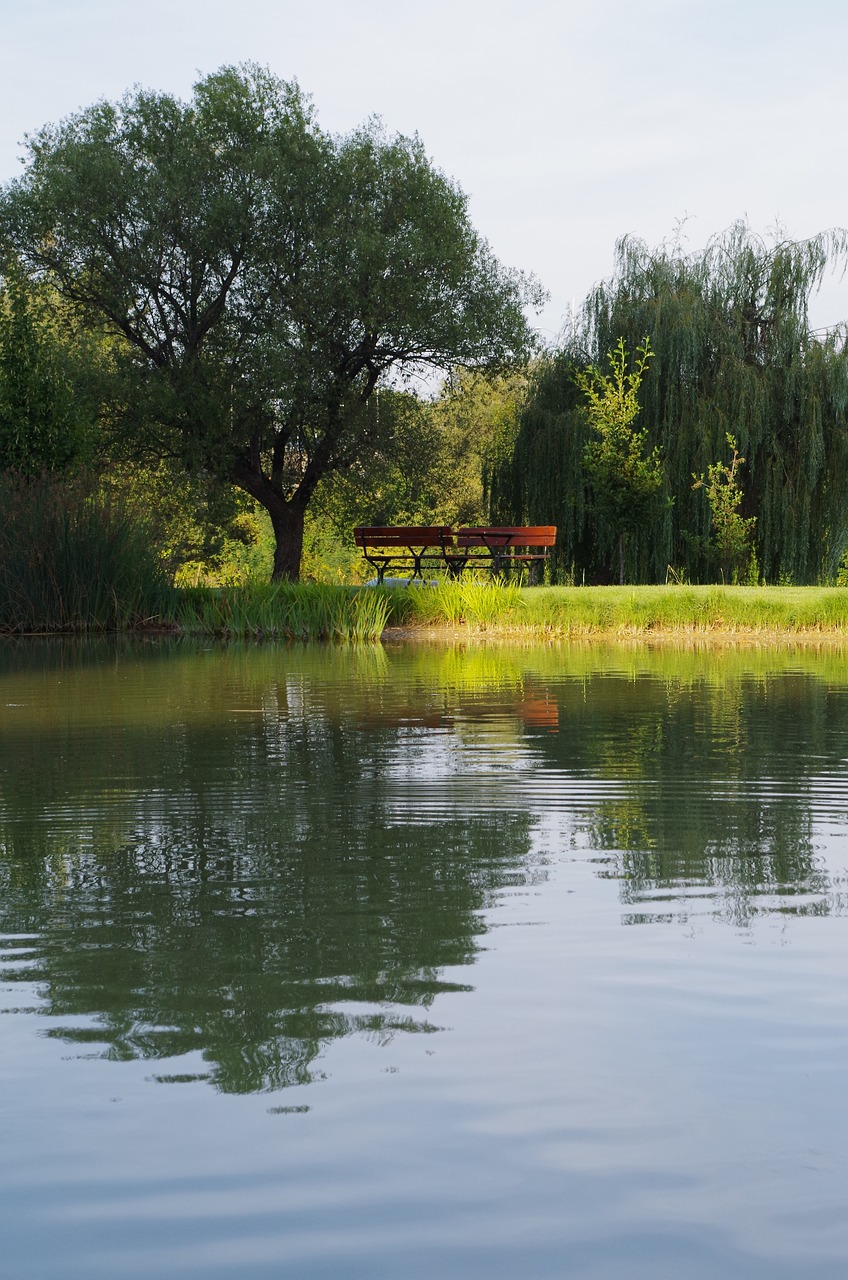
[(74, 558), (627, 611), (307, 611)]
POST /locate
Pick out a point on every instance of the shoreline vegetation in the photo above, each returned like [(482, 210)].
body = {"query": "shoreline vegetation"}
[(497, 610), (688, 427)]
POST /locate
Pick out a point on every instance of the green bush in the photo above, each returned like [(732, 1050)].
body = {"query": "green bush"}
[(74, 559), (284, 610)]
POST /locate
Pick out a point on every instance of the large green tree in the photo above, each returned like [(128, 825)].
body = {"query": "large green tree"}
[(733, 352), (265, 277)]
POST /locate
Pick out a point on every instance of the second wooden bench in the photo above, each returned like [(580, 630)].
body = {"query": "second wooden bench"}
[(502, 548)]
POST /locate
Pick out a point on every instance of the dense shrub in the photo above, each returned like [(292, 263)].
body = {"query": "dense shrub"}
[(73, 558)]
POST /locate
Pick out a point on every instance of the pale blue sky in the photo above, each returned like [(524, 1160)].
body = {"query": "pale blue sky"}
[(567, 124)]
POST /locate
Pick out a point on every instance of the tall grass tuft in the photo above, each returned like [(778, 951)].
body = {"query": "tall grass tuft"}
[(478, 603), (71, 559), (278, 610)]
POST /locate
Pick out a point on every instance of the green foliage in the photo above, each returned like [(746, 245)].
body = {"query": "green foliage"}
[(733, 351), (245, 547), (293, 611), (72, 559), (329, 552), (205, 530), (47, 420), (478, 418), (428, 459), (265, 277), (479, 603), (625, 481), (731, 532)]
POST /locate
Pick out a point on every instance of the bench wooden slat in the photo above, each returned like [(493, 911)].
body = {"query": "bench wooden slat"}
[(403, 535), (506, 536)]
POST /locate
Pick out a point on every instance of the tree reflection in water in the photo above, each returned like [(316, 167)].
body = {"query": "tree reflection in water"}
[(247, 854), (230, 875)]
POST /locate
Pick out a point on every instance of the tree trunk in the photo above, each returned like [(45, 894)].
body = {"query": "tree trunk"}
[(286, 517), (621, 559), (288, 533)]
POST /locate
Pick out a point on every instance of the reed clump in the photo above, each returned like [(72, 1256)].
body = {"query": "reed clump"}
[(478, 603), (280, 610), (73, 559)]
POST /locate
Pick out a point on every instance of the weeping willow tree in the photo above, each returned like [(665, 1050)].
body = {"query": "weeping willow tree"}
[(733, 354)]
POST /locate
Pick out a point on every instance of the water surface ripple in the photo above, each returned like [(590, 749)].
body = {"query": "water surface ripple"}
[(469, 962)]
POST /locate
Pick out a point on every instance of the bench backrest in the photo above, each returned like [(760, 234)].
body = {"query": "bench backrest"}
[(542, 535), (412, 535)]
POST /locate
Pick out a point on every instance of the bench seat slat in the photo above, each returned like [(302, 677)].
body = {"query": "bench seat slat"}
[(504, 537), (403, 535)]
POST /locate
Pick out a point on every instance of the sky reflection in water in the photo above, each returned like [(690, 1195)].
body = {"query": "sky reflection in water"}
[(498, 962)]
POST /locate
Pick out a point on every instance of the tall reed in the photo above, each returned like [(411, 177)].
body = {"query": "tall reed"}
[(480, 603), (71, 559), (294, 611)]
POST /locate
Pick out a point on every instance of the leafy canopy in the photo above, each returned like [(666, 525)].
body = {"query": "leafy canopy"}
[(265, 277)]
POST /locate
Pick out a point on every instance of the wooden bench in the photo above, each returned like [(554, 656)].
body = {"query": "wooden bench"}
[(404, 546), (498, 548), (502, 548)]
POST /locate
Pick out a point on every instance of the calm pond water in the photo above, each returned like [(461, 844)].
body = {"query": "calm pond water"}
[(422, 962)]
